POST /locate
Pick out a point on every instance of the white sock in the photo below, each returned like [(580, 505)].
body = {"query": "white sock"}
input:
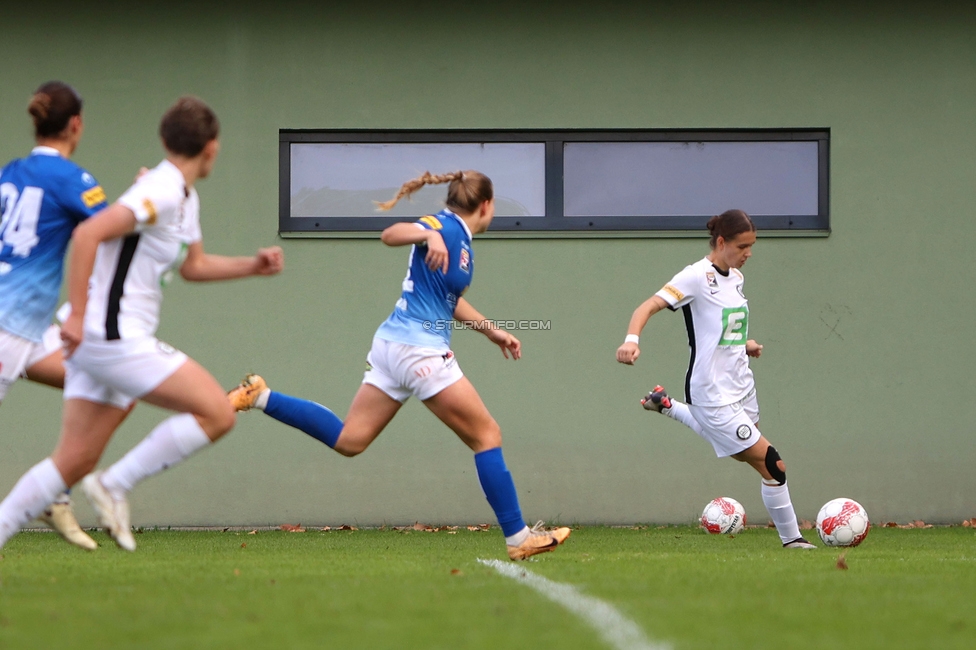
[(64, 498), (679, 411), (31, 495), (171, 442), (262, 399), (776, 498), (518, 538)]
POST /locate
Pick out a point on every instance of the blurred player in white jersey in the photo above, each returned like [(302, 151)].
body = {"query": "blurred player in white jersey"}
[(129, 251), (42, 198), (720, 392)]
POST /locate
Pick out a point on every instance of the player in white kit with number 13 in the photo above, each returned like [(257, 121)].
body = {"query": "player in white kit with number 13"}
[(720, 391)]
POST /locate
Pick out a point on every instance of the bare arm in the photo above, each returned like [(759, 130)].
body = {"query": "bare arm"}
[(628, 352), (114, 221), (465, 313), (401, 234), (204, 267)]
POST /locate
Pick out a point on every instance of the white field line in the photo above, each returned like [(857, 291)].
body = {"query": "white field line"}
[(615, 628)]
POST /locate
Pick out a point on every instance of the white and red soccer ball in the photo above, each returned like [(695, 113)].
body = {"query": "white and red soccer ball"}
[(843, 522), (723, 516)]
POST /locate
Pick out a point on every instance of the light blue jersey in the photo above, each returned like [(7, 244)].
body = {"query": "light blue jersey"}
[(425, 311), (42, 198)]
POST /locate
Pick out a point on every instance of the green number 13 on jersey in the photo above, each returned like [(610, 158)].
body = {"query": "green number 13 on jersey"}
[(735, 326)]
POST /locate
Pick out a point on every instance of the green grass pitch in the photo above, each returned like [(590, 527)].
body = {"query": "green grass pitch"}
[(398, 589)]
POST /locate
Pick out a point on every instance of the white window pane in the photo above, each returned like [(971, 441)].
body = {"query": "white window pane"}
[(344, 180), (689, 178)]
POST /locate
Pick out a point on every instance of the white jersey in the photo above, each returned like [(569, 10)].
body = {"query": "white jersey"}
[(717, 317), (126, 287)]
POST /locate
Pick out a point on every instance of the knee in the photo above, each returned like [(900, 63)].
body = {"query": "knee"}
[(220, 421), (350, 445), (775, 465), (488, 438)]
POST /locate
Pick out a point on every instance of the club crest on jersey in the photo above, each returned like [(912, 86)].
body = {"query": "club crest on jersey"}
[(744, 432), (87, 179), (712, 280), (465, 260)]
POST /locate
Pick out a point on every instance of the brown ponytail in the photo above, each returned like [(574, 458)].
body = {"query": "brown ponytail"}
[(52, 105), (467, 190), (729, 225)]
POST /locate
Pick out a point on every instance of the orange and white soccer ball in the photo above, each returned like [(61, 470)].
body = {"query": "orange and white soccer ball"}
[(723, 516), (843, 522)]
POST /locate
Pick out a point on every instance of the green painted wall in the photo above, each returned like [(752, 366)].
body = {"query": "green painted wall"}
[(866, 381)]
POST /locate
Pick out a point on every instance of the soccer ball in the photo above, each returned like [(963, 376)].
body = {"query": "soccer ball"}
[(723, 516), (843, 522)]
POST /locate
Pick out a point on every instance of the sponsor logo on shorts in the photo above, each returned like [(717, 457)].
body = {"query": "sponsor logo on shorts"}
[(93, 197), (744, 432), (165, 348), (449, 359), (671, 289), (423, 371)]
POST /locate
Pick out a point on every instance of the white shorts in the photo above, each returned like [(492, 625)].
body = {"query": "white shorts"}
[(119, 372), (402, 370), (730, 428), (17, 354)]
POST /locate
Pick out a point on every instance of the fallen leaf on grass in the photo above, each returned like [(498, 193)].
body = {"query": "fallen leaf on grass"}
[(842, 561), (770, 524), (347, 527), (237, 572), (967, 523), (473, 529), (225, 530), (326, 528), (889, 524), (806, 525), (291, 528), (253, 532), (918, 523), (244, 545), (456, 572), (452, 532)]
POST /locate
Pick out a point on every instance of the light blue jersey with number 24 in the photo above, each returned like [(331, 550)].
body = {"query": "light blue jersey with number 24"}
[(42, 198)]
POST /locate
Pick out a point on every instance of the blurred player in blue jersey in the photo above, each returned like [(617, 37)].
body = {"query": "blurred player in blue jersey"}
[(42, 198), (411, 355)]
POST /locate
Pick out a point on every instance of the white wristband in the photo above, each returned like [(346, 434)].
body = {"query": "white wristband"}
[(632, 338)]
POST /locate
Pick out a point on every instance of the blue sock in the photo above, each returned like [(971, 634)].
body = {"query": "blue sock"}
[(314, 419), (499, 489)]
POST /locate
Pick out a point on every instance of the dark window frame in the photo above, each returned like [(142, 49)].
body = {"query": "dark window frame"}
[(554, 223)]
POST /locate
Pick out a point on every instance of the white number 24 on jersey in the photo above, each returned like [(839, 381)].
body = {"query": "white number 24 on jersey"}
[(20, 213)]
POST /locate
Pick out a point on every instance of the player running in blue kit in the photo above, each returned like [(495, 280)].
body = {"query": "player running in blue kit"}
[(720, 390), (411, 355), (42, 198)]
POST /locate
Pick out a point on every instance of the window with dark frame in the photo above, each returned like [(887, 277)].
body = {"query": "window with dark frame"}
[(578, 182)]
